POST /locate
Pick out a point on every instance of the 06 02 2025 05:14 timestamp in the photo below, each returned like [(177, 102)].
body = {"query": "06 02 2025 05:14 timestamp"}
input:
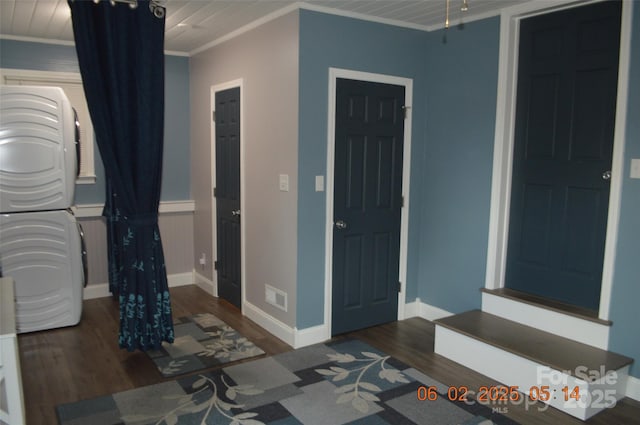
[(500, 393)]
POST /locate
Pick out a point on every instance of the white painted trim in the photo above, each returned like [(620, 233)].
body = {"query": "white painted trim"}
[(67, 43), (503, 146), (361, 16), (166, 207), (101, 290), (426, 311), (412, 309), (37, 40), (310, 336), (334, 74), (566, 326), (633, 388), (296, 338), (239, 83), (272, 325), (617, 165), (209, 286)]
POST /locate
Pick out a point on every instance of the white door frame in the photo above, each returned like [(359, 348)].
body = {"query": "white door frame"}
[(503, 147), (243, 217), (334, 74)]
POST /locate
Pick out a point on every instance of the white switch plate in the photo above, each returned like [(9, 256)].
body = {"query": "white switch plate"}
[(635, 169), (319, 183), (284, 182)]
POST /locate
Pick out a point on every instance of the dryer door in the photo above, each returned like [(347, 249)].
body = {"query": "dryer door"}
[(41, 251)]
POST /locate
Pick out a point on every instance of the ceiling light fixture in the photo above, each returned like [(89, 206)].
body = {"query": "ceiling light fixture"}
[(463, 8)]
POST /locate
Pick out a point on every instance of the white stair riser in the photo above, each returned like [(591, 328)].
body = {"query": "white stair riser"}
[(512, 370), (566, 326)]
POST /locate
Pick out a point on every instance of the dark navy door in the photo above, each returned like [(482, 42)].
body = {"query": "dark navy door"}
[(227, 192), (565, 114), (367, 204)]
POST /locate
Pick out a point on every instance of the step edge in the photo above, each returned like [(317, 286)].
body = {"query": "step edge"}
[(582, 412), (498, 293), (441, 322), (570, 327)]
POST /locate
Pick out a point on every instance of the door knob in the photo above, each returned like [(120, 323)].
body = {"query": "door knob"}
[(606, 175), (340, 224), (235, 212)]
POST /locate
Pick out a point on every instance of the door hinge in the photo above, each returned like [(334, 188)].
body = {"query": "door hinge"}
[(215, 192), (402, 202), (399, 286), (215, 265), (404, 110), (213, 116)]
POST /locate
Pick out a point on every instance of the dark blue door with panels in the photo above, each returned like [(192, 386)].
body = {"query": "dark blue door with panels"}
[(565, 115), (227, 193), (367, 204)]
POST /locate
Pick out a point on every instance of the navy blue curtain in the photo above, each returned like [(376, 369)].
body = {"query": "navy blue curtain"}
[(121, 56)]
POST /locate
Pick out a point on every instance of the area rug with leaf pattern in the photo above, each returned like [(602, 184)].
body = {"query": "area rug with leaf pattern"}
[(344, 382), (201, 341)]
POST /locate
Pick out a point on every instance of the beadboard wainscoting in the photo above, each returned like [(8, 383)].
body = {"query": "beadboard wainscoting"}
[(176, 230)]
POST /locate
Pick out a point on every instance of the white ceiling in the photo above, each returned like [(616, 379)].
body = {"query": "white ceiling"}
[(192, 25)]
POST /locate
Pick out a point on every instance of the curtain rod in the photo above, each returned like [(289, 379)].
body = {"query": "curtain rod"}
[(157, 7)]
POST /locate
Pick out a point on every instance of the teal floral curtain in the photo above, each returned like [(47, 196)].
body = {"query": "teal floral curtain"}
[(120, 51)]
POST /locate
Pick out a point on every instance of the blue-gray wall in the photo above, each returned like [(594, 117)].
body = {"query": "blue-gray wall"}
[(455, 87), (625, 333), (333, 41), (461, 98), (176, 172)]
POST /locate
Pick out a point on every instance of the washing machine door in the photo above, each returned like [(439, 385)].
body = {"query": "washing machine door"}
[(37, 149)]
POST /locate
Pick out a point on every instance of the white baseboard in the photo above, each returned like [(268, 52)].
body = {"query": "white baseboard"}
[(310, 336), (419, 309), (101, 290), (633, 388), (180, 279), (279, 329), (209, 286)]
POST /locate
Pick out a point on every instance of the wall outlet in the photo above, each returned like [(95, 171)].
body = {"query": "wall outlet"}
[(203, 260), (319, 183), (635, 169)]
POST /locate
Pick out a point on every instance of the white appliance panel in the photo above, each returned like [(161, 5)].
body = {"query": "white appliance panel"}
[(38, 160), (41, 252)]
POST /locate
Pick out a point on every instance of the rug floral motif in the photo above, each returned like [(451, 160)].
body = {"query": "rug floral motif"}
[(345, 382), (201, 341)]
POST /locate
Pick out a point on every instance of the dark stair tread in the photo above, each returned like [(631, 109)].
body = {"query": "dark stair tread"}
[(541, 347)]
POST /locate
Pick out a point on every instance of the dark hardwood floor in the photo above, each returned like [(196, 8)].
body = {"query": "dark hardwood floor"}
[(70, 364)]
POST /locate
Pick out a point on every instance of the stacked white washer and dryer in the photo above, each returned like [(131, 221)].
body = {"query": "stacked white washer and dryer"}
[(41, 244)]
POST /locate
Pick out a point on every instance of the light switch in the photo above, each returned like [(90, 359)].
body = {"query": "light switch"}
[(284, 182), (319, 183), (635, 169)]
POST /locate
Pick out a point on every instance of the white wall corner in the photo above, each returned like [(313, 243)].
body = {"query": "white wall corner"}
[(204, 283), (309, 336), (428, 312), (181, 279), (633, 388), (100, 290), (412, 309), (269, 323)]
